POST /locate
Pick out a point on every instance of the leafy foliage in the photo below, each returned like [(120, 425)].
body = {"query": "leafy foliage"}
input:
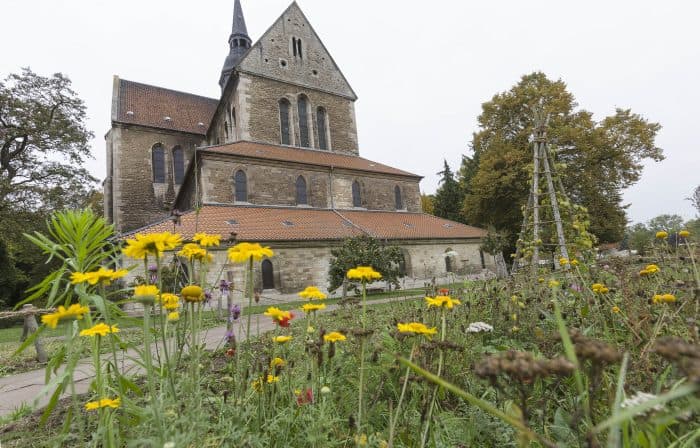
[(365, 251), (598, 159)]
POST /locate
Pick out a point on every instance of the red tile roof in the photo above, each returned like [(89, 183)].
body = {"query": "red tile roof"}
[(147, 105), (306, 224), (307, 156)]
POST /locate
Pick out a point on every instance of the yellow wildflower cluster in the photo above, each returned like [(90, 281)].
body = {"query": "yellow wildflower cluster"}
[(442, 302), (312, 293), (663, 298), (277, 314), (151, 244), (563, 261), (684, 234), (207, 240), (649, 269), (173, 316), (74, 311), (615, 309), (599, 288), (192, 293), (146, 294), (363, 273), (554, 283), (193, 251), (102, 276), (334, 336), (260, 382), (169, 301), (309, 307), (662, 234), (416, 328), (103, 403), (101, 329), (243, 252), (277, 362)]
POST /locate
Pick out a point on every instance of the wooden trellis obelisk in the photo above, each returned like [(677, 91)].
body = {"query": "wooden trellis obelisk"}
[(543, 166)]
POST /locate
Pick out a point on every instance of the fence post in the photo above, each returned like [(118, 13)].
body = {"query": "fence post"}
[(30, 326)]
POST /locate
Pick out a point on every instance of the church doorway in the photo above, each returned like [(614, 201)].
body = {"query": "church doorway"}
[(268, 275)]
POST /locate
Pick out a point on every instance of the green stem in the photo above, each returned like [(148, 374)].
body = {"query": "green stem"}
[(441, 359), (362, 357), (249, 291), (392, 427)]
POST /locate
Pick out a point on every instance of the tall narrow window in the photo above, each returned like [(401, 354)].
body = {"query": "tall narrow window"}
[(226, 129), (356, 199), (241, 181), (321, 125), (294, 46), (299, 49), (302, 104), (158, 163), (397, 198), (284, 122), (178, 165), (301, 191), (268, 275)]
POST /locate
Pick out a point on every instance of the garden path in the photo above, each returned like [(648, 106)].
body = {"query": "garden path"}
[(28, 387)]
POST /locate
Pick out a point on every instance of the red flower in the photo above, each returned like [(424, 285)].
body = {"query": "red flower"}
[(230, 352), (284, 322), (305, 397), (444, 291)]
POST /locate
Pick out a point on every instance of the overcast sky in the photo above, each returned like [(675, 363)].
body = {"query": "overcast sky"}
[(421, 69)]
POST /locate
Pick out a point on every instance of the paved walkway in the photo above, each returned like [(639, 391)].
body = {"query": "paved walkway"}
[(28, 387)]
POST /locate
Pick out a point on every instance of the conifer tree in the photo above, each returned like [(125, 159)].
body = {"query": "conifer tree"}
[(449, 196)]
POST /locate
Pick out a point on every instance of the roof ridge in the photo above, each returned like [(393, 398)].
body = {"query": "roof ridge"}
[(358, 227)]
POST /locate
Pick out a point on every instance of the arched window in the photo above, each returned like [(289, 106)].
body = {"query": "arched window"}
[(268, 275), (356, 199), (321, 125), (397, 198), (178, 165), (241, 181), (284, 122), (158, 163), (302, 105), (301, 191)]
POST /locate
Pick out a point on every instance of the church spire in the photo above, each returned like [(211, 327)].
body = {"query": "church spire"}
[(239, 42)]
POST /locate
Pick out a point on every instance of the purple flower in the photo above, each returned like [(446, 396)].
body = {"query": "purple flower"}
[(153, 270), (224, 286), (207, 296), (234, 312)]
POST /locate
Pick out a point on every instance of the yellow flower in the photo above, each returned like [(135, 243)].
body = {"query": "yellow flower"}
[(652, 269), (207, 240), (663, 298), (193, 251), (272, 379), (309, 307), (540, 280), (312, 293), (599, 288), (416, 328), (363, 273), (442, 301), (684, 234), (243, 252), (553, 283), (277, 314), (615, 309), (102, 276), (574, 262), (103, 403), (146, 294), (170, 301), (334, 336), (361, 440), (282, 339), (277, 362), (257, 385), (192, 293), (101, 329), (74, 311), (173, 316), (151, 244), (563, 261), (661, 234)]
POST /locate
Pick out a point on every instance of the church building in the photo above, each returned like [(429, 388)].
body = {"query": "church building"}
[(275, 160)]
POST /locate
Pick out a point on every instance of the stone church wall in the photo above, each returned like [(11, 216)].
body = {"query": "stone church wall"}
[(136, 199), (376, 192), (259, 113)]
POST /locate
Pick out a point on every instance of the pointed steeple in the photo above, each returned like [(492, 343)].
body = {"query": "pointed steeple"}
[(239, 42)]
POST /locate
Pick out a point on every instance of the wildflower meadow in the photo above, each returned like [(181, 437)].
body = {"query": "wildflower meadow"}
[(602, 353)]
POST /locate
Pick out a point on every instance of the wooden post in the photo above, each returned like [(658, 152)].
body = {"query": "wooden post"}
[(555, 210), (31, 326)]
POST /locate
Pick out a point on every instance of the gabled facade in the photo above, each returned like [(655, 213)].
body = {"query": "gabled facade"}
[(275, 159)]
